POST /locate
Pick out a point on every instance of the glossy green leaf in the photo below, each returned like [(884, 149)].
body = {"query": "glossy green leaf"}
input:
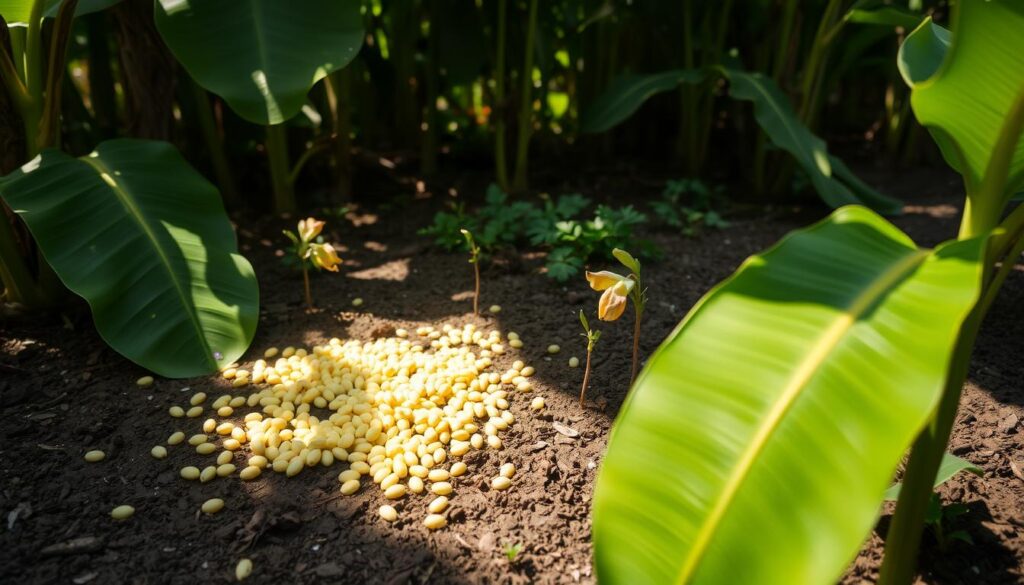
[(963, 87), (951, 465), (261, 56), (886, 15), (84, 6), (145, 240), (833, 182), (759, 440), (17, 12)]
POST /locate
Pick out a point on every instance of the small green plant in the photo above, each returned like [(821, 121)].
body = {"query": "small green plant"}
[(591, 335), (511, 551), (939, 518), (686, 205), (474, 259), (311, 250), (618, 290)]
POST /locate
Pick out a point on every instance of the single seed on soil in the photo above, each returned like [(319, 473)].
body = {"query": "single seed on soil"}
[(537, 403), (207, 474), (225, 470), (225, 428), (209, 425), (495, 308), (507, 470), (237, 402), (158, 452), (206, 448), (95, 456), (394, 492), (177, 411), (574, 362), (553, 349), (347, 475), (438, 505), (350, 487), (357, 302), (441, 488), (458, 468), (258, 461), (195, 440), (250, 473), (232, 444), (190, 473), (225, 457), (225, 411), (295, 466), (194, 411), (176, 438), (388, 513), (271, 352), (438, 475), (516, 343), (501, 483), (122, 512), (243, 569), (435, 521), (212, 506), (512, 335), (527, 371), (229, 373), (145, 381), (197, 398), (494, 441)]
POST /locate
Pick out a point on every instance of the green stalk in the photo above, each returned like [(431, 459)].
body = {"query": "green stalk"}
[(60, 35), (525, 118), (277, 158), (339, 96), (814, 68), (687, 97), (19, 285), (33, 75), (214, 144), (498, 111), (101, 77)]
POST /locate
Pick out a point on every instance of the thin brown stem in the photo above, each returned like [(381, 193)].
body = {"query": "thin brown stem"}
[(305, 280), (586, 377), (476, 289), (636, 347)]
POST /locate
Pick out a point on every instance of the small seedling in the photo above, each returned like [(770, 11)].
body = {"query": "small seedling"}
[(939, 517), (618, 290), (511, 551), (310, 249), (474, 259), (592, 336)]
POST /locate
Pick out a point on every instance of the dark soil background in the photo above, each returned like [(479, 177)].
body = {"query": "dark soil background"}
[(63, 392)]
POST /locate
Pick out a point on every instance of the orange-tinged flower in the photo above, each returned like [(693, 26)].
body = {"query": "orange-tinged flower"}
[(616, 293), (325, 257), (310, 228)]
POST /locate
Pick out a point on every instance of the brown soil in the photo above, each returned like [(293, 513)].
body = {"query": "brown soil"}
[(64, 392)]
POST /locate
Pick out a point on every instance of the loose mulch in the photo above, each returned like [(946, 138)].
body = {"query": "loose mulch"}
[(63, 392)]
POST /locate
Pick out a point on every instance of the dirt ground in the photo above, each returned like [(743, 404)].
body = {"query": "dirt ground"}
[(63, 392)]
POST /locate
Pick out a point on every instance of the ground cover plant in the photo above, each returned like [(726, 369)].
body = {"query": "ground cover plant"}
[(734, 313)]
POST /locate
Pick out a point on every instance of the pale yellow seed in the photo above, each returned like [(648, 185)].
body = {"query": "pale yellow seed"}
[(194, 412), (537, 403), (357, 302), (441, 488), (271, 352), (145, 381), (288, 352), (348, 475), (516, 343), (225, 411), (198, 398), (177, 411), (206, 448), (232, 444), (176, 438), (95, 456), (494, 442), (574, 362), (229, 373), (438, 475), (495, 308), (225, 428), (477, 441), (524, 386), (507, 470), (350, 487), (197, 440), (512, 335), (207, 474), (394, 492), (225, 457), (458, 469), (501, 483), (237, 402), (158, 452), (527, 371), (388, 513), (239, 382), (250, 473), (435, 521), (122, 512), (209, 425), (295, 466), (438, 505), (225, 469), (243, 569), (416, 485), (190, 473), (258, 461), (553, 349), (212, 506)]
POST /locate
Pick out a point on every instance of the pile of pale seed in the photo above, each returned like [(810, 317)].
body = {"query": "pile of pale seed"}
[(399, 410)]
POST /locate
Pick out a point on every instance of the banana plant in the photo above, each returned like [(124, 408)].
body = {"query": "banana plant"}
[(264, 61), (130, 227), (768, 426)]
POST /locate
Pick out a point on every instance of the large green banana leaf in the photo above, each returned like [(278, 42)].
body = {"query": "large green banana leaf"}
[(261, 56), (17, 12), (963, 87), (774, 114), (760, 438), (145, 240)]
